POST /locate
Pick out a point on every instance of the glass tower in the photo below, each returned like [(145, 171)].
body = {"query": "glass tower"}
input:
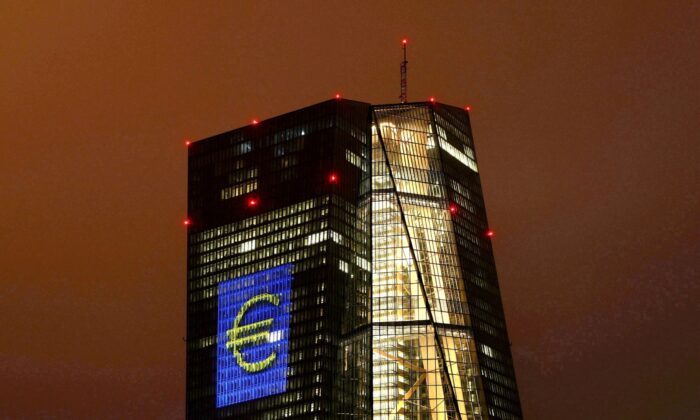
[(439, 342), (339, 267)]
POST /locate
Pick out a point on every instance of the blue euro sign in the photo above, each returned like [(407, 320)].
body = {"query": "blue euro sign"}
[(252, 344)]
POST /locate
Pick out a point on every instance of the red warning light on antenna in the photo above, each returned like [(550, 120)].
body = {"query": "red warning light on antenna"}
[(255, 122), (432, 99), (468, 108), (187, 222), (404, 41), (337, 96), (188, 142), (490, 233)]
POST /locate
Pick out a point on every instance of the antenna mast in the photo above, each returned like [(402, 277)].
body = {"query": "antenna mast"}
[(404, 66)]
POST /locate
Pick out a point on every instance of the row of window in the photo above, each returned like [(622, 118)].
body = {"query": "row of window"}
[(239, 189), (462, 157), (231, 259), (242, 175), (258, 219), (457, 131), (302, 261), (498, 372), (299, 227)]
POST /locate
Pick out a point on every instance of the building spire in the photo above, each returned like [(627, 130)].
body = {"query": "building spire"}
[(404, 67)]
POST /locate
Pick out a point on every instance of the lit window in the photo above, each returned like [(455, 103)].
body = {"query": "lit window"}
[(487, 350), (353, 158), (362, 263), (239, 189), (247, 246), (336, 237), (315, 238), (457, 154)]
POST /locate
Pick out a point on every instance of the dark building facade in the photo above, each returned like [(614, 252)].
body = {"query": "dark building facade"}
[(339, 266)]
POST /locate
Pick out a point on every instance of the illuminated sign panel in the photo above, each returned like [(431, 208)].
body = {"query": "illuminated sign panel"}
[(253, 336)]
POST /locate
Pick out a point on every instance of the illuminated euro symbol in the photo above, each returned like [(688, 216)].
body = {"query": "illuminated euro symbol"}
[(243, 335)]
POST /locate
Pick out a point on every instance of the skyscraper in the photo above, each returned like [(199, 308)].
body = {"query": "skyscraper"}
[(340, 266)]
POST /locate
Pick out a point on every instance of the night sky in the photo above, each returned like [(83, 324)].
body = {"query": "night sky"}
[(586, 118)]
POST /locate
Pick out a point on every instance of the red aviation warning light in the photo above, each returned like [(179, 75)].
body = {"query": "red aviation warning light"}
[(490, 233), (188, 142), (432, 99), (252, 202), (333, 178), (337, 96), (468, 108), (453, 208), (187, 222), (404, 41), (255, 122)]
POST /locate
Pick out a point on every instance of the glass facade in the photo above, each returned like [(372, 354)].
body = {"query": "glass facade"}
[(376, 214), (434, 288), (281, 195)]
